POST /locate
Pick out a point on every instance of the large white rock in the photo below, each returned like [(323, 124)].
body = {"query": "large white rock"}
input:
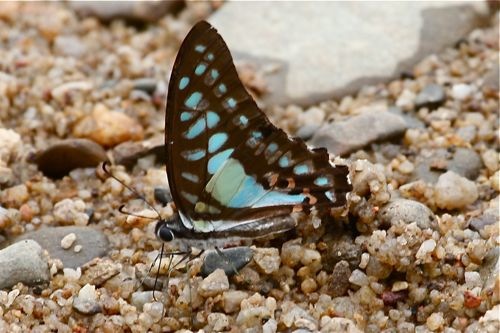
[(329, 49)]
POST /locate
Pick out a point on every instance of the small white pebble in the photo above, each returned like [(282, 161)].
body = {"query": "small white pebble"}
[(77, 248), (72, 274), (399, 285), (68, 240), (461, 91), (426, 248), (435, 321), (358, 278), (365, 258)]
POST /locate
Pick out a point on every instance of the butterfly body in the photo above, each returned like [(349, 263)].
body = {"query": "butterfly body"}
[(232, 174)]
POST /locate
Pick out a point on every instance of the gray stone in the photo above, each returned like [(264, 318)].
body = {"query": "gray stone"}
[(23, 262), (148, 11), (162, 195), (408, 211), (66, 155), (479, 222), (490, 271), (146, 84), (492, 77), (346, 136), (339, 249), (431, 164), (307, 131), (432, 97), (344, 47), (234, 258), (93, 242), (129, 152)]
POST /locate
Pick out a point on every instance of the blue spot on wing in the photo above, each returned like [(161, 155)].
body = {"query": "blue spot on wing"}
[(191, 177), (196, 129), (216, 141), (321, 181), (185, 116), (193, 100), (284, 161), (200, 48), (212, 119), (301, 169), (274, 198), (189, 197), (183, 82), (193, 155), (217, 160), (214, 74), (200, 69)]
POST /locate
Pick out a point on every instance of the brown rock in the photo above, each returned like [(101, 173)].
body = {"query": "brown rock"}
[(108, 128), (62, 157)]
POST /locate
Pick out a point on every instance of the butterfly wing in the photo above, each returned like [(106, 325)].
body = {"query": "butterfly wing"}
[(226, 161)]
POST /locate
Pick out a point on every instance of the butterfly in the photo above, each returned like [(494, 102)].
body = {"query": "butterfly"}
[(233, 174)]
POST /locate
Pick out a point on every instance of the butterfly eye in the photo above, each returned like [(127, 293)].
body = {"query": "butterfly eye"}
[(164, 233)]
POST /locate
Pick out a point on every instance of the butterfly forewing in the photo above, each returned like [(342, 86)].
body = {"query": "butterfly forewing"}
[(226, 161)]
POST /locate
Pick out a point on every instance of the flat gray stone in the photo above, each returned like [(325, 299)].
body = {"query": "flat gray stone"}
[(431, 164), (346, 136), (311, 51), (432, 97), (93, 244), (23, 262), (234, 258)]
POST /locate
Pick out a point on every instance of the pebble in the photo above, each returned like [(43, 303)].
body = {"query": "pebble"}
[(214, 284), (433, 163), (359, 278), (86, 301), (338, 284), (140, 298), (478, 223), (231, 300), (453, 191), (343, 248), (70, 45), (431, 97), (14, 196), (60, 92), (217, 322), (162, 195), (94, 243), (426, 248), (399, 286), (98, 271), (461, 91), (234, 258), (129, 152), (63, 156), (293, 315), (490, 159), (407, 211), (23, 262), (108, 128), (68, 240), (130, 10), (267, 259), (346, 136), (10, 145), (334, 325), (435, 321), (69, 211), (271, 326)]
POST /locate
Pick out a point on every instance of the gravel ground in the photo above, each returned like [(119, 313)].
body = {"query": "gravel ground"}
[(418, 251)]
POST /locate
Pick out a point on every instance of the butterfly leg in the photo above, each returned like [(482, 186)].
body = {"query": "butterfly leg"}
[(227, 260)]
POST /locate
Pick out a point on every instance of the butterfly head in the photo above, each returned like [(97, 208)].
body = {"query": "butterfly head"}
[(167, 230)]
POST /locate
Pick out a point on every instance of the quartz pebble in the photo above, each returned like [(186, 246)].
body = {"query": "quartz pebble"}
[(214, 284), (267, 259), (453, 191), (108, 128), (68, 241)]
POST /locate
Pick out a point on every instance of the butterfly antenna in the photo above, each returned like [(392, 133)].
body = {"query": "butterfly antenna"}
[(110, 174)]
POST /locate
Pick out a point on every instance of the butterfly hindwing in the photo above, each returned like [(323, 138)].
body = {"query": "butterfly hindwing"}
[(226, 161)]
